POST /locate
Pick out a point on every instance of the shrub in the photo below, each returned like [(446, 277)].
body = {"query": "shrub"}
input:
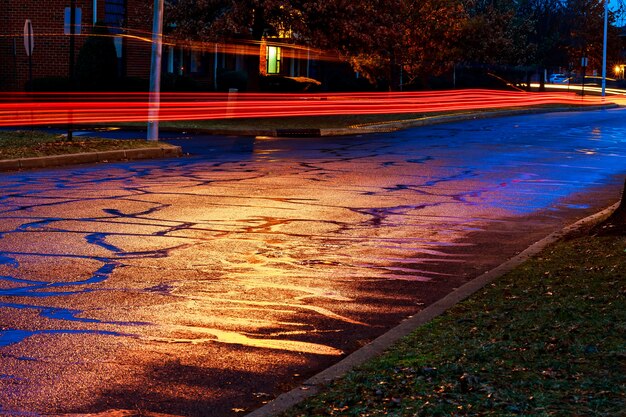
[(49, 84), (175, 82), (96, 66), (232, 79), (348, 82), (280, 83), (134, 84)]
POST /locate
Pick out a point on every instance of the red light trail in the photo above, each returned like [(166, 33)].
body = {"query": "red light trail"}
[(42, 109)]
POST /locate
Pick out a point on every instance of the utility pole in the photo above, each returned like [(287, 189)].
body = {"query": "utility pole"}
[(583, 64), (155, 72), (72, 40), (70, 128), (606, 22)]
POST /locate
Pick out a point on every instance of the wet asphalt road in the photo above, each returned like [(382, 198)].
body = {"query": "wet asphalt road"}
[(207, 285)]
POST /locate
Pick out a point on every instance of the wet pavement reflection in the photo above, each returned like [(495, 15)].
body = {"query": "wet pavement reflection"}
[(206, 285)]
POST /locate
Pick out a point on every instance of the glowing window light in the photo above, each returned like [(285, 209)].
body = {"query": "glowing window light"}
[(273, 59)]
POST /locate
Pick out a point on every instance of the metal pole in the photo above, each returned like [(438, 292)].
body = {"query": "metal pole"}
[(72, 40), (308, 61), (71, 63), (155, 72), (15, 60), (30, 59), (606, 19), (215, 68), (454, 76), (584, 74)]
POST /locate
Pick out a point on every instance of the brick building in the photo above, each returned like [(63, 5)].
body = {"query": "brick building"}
[(130, 22), (50, 23)]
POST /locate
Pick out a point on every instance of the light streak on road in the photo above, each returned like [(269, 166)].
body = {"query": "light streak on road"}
[(617, 94), (56, 108)]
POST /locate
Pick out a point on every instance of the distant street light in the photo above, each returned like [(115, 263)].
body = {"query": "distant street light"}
[(155, 72)]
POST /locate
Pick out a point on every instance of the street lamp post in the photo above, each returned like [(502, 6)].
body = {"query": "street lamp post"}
[(70, 70), (155, 72), (606, 19)]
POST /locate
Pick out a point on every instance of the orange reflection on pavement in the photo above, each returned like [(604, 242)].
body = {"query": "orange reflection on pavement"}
[(215, 335)]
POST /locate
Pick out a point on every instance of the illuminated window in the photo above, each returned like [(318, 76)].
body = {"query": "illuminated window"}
[(273, 59)]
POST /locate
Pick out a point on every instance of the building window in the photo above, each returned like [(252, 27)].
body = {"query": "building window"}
[(115, 20), (115, 14), (273, 59), (78, 17)]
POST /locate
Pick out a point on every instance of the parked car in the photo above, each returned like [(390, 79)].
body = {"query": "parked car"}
[(559, 79)]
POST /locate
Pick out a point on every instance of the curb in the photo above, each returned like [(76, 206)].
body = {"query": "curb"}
[(435, 120), (315, 384), (163, 151)]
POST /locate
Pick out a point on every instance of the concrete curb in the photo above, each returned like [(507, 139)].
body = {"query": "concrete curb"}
[(162, 151), (316, 383), (435, 120)]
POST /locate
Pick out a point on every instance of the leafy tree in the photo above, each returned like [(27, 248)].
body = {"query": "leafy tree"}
[(218, 19), (495, 33), (410, 40), (432, 36), (585, 24), (388, 39)]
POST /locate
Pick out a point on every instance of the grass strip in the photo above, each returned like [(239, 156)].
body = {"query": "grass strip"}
[(297, 122), (326, 122), (27, 144), (547, 339)]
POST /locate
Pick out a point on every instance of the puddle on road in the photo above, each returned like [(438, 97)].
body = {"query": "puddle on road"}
[(12, 336)]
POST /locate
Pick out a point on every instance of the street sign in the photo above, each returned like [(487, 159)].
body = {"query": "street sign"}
[(583, 62), (29, 40)]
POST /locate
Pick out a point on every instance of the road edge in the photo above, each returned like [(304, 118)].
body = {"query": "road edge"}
[(316, 383), (162, 151), (435, 120)]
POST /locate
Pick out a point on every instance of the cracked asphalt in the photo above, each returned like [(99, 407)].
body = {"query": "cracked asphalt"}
[(207, 285)]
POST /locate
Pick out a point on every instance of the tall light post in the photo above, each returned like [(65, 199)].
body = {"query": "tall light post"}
[(606, 21), (72, 78), (155, 72)]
